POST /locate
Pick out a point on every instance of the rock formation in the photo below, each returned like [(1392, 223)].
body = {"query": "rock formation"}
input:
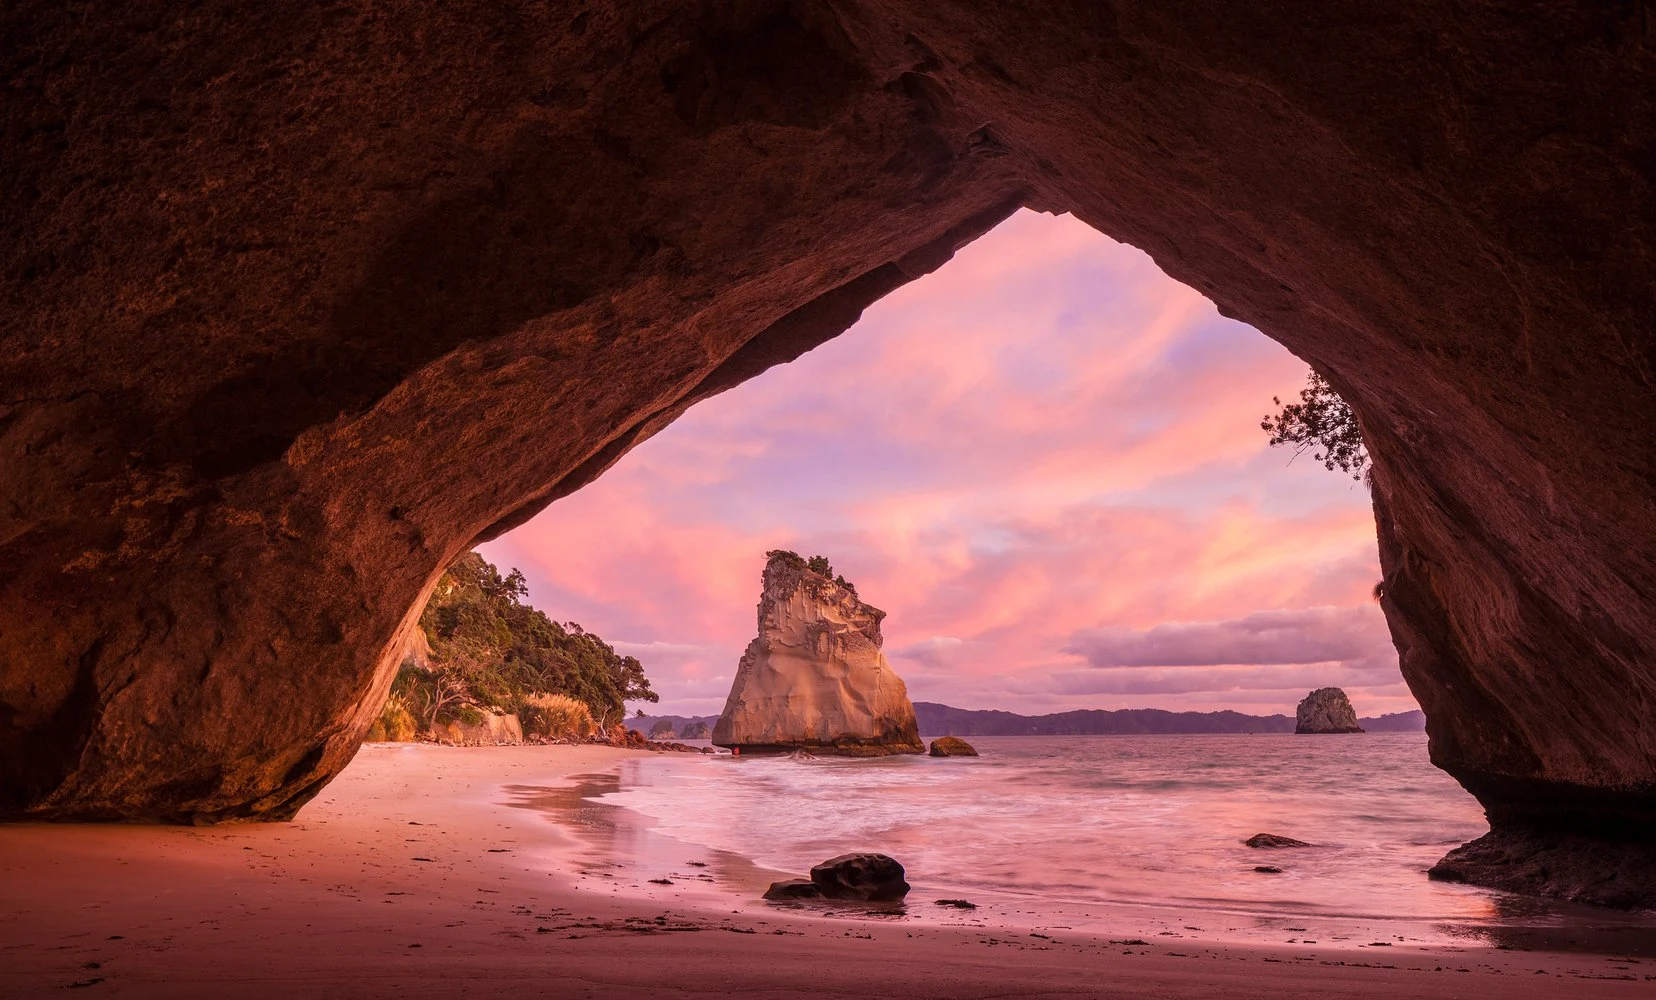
[(1271, 840), (298, 302), (815, 678), (793, 888), (1326, 710), (873, 878), (952, 746)]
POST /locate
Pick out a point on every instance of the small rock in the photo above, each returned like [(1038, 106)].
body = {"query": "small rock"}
[(1272, 840), (869, 877), (794, 888), (959, 904), (1267, 870), (952, 746)]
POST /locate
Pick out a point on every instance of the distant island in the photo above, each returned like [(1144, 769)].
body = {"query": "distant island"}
[(943, 720)]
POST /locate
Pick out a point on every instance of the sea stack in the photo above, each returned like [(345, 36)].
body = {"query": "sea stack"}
[(814, 678), (1326, 710)]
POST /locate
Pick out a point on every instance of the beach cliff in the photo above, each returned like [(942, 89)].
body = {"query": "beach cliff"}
[(814, 678)]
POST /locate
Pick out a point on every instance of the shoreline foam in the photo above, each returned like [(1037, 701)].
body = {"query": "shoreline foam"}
[(414, 875)]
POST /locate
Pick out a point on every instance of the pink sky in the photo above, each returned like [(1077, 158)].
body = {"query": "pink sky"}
[(1044, 461)]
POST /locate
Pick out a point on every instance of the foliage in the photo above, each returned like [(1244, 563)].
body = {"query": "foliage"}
[(395, 723), (489, 649), (816, 564), (556, 716), (1320, 420)]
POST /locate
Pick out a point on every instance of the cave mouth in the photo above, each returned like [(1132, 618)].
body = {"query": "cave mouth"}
[(259, 393), (1045, 456)]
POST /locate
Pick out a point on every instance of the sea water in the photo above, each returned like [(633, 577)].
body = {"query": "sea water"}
[(1065, 826)]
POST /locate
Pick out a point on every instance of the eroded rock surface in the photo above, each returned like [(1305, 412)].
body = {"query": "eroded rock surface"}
[(297, 302), (1326, 710), (815, 678)]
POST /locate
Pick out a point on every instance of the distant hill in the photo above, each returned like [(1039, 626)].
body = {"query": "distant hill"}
[(1396, 722), (942, 720)]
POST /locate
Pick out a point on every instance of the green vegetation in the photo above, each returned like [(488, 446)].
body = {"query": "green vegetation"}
[(490, 650), (1322, 420), (816, 564)]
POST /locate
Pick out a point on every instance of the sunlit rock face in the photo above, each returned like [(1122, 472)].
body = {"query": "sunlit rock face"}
[(297, 302), (814, 678), (1326, 710)]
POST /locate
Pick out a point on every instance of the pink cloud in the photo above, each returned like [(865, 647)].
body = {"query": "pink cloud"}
[(1045, 440)]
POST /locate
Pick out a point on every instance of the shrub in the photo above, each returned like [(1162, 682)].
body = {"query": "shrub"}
[(555, 716), (396, 724), (1323, 424)]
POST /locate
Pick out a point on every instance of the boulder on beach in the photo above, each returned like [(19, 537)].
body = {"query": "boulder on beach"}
[(793, 888), (814, 678), (1271, 840), (868, 877), (952, 746), (1326, 710)]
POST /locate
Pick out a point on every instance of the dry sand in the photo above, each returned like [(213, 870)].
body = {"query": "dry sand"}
[(415, 876)]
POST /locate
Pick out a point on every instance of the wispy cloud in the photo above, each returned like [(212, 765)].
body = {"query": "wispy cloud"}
[(1306, 635)]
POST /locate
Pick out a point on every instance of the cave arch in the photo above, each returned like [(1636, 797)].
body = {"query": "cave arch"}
[(299, 304)]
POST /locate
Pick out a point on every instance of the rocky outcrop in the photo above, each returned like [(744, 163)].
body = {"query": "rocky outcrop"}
[(952, 746), (489, 729), (1603, 871), (815, 678), (1326, 710), (873, 878), (298, 302)]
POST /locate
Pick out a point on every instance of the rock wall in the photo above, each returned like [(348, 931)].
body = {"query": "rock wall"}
[(1326, 710), (814, 678), (299, 301)]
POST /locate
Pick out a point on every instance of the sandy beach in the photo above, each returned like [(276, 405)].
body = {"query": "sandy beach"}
[(427, 871)]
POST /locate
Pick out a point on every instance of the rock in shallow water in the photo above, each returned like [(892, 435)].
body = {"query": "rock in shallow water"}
[(952, 746), (793, 888), (1601, 871), (1272, 840), (1326, 710), (868, 877)]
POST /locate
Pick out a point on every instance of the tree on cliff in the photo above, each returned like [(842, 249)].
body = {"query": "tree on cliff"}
[(1320, 420), (489, 649)]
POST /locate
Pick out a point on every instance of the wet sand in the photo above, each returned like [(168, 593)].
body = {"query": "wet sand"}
[(441, 872)]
